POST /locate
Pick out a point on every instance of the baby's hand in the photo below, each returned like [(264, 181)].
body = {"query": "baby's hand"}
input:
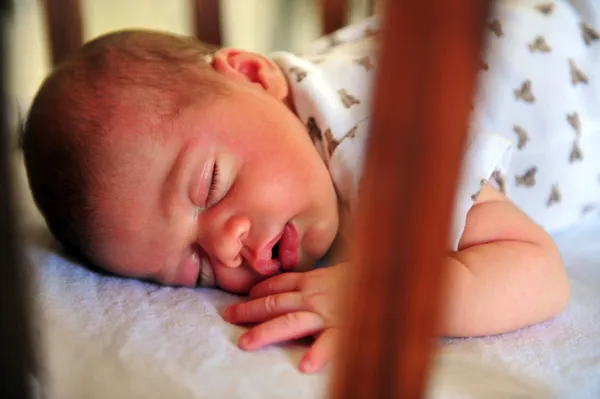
[(291, 306)]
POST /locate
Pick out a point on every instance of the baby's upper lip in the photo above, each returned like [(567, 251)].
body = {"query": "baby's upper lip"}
[(262, 261), (287, 255), (267, 251)]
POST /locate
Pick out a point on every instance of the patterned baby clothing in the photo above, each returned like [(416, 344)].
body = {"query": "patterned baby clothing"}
[(540, 88), (331, 89)]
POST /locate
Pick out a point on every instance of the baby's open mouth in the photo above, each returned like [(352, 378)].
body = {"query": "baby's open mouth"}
[(275, 251), (284, 253)]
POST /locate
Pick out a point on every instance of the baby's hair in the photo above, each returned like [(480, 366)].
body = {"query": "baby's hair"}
[(75, 107)]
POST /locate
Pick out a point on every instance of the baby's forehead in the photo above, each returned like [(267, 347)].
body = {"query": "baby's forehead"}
[(142, 143)]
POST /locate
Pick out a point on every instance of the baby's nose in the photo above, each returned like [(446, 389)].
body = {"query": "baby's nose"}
[(229, 246)]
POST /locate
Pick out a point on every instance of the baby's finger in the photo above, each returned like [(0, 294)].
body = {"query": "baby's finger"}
[(320, 353), (284, 328), (263, 309), (285, 282)]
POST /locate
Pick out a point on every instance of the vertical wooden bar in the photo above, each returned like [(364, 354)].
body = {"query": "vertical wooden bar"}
[(64, 27), (334, 15), (16, 352), (371, 6), (426, 79), (207, 21)]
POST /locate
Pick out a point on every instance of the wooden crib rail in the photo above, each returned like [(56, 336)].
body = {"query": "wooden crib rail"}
[(207, 21), (64, 24), (334, 15), (428, 64), (17, 354), (64, 27)]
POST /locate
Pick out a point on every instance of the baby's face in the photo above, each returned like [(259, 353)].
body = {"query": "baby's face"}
[(235, 193)]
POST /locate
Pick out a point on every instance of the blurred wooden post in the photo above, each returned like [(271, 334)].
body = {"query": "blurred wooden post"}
[(372, 5), (18, 357), (64, 27), (426, 79), (334, 15), (207, 21)]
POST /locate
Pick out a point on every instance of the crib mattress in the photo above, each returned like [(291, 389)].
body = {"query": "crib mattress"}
[(104, 337)]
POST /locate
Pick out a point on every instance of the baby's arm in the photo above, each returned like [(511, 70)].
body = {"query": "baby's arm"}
[(506, 274)]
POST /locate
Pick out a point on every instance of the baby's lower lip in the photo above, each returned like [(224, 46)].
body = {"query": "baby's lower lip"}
[(267, 267), (288, 247)]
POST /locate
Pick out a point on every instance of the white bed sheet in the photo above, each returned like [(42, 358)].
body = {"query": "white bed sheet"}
[(105, 337)]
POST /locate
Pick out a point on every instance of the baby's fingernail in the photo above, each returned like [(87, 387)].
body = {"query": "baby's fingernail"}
[(306, 366), (227, 314), (245, 340)]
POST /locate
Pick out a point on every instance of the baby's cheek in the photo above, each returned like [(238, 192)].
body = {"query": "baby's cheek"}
[(188, 275)]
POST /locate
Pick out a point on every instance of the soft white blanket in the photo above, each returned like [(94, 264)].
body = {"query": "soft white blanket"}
[(105, 337)]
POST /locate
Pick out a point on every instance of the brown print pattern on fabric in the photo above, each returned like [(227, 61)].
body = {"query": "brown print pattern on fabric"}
[(525, 92), (576, 154), (332, 143), (313, 129), (351, 133), (589, 34), (546, 8), (528, 178), (522, 137), (299, 73), (334, 41), (498, 177), (482, 183), (575, 123), (484, 65), (588, 208), (540, 45), (346, 99), (365, 62), (577, 75), (554, 196), (496, 27)]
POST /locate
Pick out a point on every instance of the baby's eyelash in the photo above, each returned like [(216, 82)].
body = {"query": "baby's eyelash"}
[(214, 184)]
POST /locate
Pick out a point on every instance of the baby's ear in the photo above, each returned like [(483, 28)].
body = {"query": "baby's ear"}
[(248, 67)]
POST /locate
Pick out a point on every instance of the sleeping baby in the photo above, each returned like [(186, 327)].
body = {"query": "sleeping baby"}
[(154, 156)]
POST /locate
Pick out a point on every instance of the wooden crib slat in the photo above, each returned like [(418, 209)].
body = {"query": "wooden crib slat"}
[(207, 21), (429, 60), (372, 4), (334, 15), (18, 357), (64, 27)]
